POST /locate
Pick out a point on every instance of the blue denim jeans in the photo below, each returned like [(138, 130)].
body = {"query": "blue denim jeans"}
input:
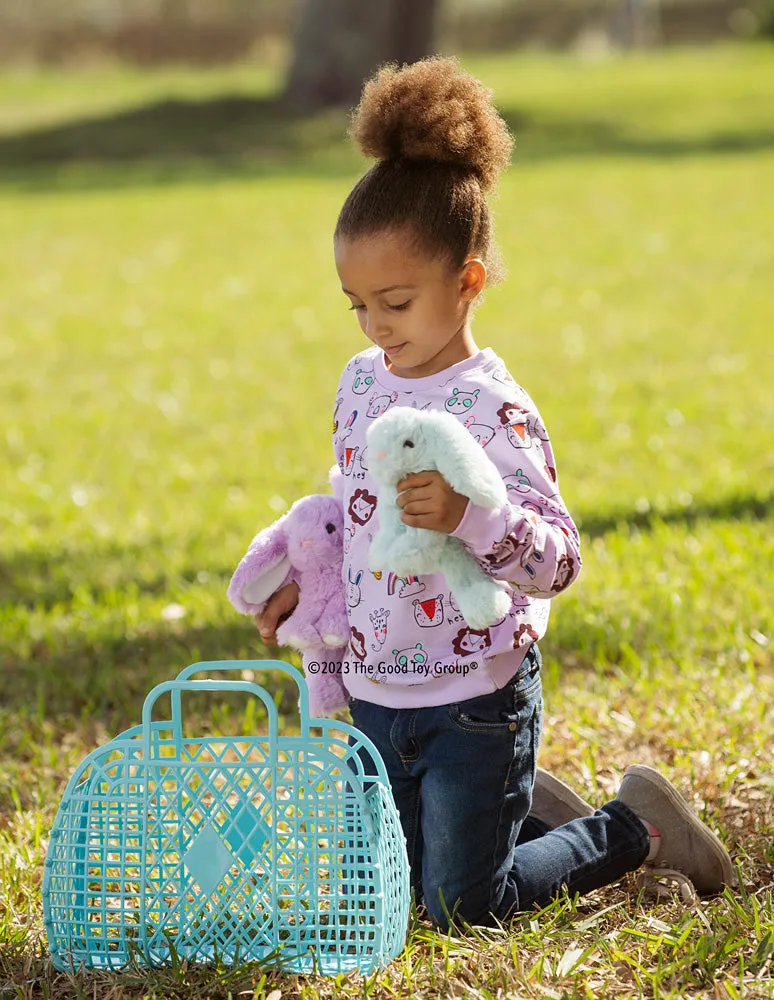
[(462, 777)]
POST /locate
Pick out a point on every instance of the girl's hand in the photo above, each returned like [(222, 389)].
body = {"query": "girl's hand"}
[(280, 605), (427, 501)]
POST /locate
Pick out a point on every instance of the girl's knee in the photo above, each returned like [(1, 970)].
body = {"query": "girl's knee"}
[(446, 910)]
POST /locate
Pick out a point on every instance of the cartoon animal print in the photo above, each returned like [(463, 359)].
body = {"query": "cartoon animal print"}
[(514, 418), (460, 402), (362, 506), (346, 430), (363, 463), (404, 586), (512, 413), (379, 622), (518, 482), (524, 635), (347, 461), (354, 594), (416, 406), (508, 547), (453, 602), (413, 656), (470, 641), (349, 534), (357, 643), (428, 613), (529, 569), (483, 433), (564, 570), (363, 380), (377, 405)]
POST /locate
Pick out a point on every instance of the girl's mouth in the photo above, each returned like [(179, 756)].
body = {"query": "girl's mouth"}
[(390, 351)]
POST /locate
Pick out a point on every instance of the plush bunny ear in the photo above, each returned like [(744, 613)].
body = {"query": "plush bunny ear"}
[(464, 464), (336, 480), (263, 570)]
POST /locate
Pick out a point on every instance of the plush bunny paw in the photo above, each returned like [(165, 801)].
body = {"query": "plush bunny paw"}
[(335, 640), (289, 634)]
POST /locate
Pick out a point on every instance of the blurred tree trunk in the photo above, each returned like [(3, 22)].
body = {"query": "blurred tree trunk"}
[(339, 43), (637, 23)]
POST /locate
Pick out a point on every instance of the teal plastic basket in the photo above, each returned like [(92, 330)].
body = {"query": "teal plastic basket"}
[(282, 849)]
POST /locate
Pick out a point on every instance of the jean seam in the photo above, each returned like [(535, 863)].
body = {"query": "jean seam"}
[(590, 867), (498, 836)]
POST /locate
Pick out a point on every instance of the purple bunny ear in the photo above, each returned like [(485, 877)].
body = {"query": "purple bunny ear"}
[(263, 570)]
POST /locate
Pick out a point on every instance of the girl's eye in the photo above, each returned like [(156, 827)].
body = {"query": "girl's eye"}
[(353, 306), (401, 306)]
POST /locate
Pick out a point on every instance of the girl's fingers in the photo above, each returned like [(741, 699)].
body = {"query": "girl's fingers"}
[(280, 604), (426, 506), (416, 479), (414, 494)]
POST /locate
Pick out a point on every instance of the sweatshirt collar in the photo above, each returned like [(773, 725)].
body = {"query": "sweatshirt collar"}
[(391, 381)]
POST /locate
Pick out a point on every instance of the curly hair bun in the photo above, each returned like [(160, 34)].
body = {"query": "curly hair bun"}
[(431, 110)]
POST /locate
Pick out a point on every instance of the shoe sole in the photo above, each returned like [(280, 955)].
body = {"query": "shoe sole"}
[(574, 807), (657, 780)]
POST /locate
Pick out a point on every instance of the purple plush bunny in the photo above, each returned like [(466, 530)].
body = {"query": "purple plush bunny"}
[(305, 545)]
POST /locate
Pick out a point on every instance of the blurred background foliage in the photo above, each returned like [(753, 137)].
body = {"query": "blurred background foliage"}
[(148, 32)]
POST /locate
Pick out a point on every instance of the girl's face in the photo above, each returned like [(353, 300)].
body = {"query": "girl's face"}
[(412, 306)]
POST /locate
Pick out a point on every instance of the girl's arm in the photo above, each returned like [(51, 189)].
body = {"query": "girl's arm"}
[(532, 542)]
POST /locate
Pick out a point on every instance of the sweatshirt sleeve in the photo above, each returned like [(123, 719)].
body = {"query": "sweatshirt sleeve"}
[(531, 542)]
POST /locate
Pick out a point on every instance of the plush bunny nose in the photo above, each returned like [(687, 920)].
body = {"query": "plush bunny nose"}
[(380, 456), (307, 543)]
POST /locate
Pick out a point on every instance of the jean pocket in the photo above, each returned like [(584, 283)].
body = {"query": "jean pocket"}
[(489, 713)]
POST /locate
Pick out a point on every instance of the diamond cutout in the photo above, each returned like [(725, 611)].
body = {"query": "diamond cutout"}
[(248, 835), (208, 859)]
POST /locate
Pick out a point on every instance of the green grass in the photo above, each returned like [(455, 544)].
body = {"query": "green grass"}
[(170, 335)]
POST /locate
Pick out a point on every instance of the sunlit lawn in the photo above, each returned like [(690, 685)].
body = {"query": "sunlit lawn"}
[(171, 332)]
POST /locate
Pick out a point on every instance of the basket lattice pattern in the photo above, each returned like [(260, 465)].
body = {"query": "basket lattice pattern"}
[(282, 849)]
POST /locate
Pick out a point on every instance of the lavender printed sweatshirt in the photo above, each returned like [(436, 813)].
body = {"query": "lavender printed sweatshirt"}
[(409, 646)]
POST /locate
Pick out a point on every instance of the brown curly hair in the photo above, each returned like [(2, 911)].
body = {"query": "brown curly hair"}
[(440, 146)]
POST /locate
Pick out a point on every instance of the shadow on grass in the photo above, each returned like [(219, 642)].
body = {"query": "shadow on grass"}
[(176, 140), (45, 578), (108, 675), (733, 508)]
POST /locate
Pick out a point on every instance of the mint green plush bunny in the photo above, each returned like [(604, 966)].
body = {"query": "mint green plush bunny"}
[(407, 440)]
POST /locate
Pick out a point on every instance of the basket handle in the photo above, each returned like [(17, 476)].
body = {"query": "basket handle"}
[(295, 675), (177, 686)]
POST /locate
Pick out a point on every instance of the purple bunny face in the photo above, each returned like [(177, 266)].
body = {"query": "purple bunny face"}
[(314, 528)]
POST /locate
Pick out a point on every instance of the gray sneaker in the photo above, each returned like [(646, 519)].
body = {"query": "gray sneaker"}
[(686, 843), (555, 803)]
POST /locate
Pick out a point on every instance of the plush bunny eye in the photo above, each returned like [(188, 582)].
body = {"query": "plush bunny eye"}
[(330, 528), (408, 444)]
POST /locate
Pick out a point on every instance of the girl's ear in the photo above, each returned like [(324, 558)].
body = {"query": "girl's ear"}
[(472, 279)]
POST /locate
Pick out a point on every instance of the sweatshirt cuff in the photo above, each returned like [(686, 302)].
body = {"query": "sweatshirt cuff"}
[(482, 529)]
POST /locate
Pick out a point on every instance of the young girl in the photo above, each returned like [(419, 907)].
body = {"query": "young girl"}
[(454, 711)]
